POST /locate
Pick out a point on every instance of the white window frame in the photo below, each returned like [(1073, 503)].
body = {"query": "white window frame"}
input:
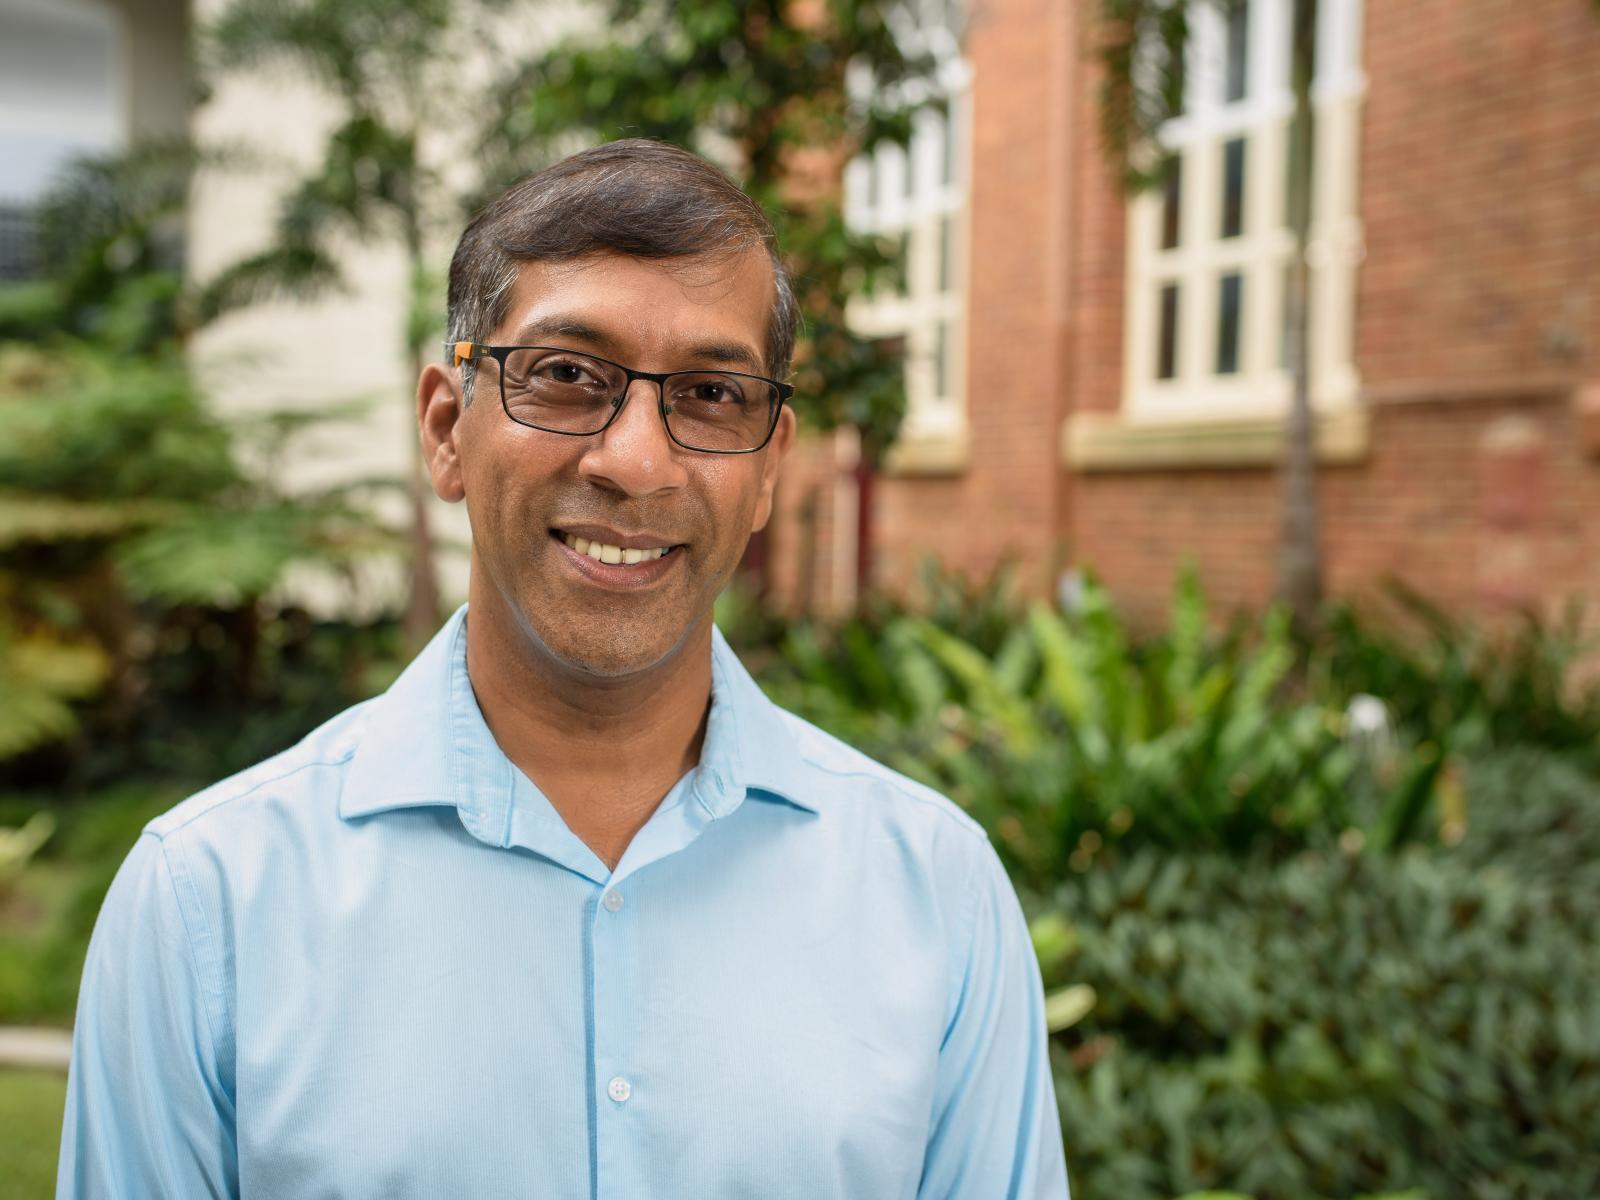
[(918, 207), (1262, 251), (94, 122)]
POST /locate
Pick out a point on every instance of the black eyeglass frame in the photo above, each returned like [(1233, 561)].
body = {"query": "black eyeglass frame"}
[(461, 352)]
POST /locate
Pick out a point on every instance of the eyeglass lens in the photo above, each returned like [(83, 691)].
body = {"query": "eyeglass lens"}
[(566, 392)]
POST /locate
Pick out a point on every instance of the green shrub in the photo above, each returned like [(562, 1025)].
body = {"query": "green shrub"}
[(1338, 1024), (1069, 739), (1481, 687), (124, 510)]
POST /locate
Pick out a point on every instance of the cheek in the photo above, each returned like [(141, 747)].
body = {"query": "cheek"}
[(507, 467), (733, 496)]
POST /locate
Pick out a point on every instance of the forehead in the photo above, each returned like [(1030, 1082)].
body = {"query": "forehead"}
[(645, 307)]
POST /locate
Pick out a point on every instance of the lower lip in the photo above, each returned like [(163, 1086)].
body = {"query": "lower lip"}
[(620, 576)]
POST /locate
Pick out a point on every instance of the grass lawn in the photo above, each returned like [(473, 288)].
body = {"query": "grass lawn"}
[(30, 1114)]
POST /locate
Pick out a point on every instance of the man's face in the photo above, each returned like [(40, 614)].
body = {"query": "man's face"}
[(529, 492)]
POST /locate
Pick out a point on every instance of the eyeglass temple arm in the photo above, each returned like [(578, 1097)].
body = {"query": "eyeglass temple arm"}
[(461, 352)]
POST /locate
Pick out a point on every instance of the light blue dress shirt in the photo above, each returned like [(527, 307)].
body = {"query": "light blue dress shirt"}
[(381, 965)]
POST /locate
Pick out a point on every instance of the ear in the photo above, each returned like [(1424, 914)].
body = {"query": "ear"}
[(439, 412), (772, 458)]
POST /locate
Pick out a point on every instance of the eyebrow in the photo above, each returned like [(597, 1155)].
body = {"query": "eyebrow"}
[(733, 354)]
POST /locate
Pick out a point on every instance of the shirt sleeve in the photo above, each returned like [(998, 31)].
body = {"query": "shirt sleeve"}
[(148, 1112), (995, 1130)]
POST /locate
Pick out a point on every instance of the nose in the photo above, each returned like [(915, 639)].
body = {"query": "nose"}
[(633, 454)]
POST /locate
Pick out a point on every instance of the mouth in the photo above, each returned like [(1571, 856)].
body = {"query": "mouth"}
[(610, 552), (615, 561)]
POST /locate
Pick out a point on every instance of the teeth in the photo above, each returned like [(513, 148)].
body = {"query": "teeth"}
[(613, 554)]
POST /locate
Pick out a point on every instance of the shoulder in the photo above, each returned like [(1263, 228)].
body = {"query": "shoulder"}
[(906, 841), (307, 773), (844, 784)]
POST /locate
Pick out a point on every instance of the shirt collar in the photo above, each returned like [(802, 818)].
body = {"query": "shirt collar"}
[(425, 743)]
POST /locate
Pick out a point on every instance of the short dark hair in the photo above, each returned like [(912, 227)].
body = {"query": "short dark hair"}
[(638, 197)]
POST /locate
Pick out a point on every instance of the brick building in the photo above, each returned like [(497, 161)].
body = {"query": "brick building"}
[(1096, 380)]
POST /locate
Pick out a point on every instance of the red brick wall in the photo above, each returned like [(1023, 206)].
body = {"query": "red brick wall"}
[(1477, 319), (1478, 304), (800, 562), (1481, 505), (1006, 503), (1481, 191)]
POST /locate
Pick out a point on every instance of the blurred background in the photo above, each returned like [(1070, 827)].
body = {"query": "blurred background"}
[(1200, 485)]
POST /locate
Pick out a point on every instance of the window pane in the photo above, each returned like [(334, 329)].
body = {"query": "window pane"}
[(947, 252), (1233, 188), (941, 360), (1172, 203), (1167, 337), (1229, 297), (1238, 17)]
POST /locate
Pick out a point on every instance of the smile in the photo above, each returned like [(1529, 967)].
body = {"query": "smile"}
[(607, 553), (607, 560)]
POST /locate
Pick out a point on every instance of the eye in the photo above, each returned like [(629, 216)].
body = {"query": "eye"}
[(708, 391), (567, 371)]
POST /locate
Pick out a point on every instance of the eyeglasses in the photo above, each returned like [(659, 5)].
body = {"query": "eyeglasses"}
[(564, 391)]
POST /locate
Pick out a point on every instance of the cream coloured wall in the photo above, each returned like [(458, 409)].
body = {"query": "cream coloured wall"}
[(342, 347), (298, 355)]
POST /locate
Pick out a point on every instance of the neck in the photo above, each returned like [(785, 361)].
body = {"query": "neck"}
[(604, 751)]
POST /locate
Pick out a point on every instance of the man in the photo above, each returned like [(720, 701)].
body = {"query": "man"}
[(573, 910)]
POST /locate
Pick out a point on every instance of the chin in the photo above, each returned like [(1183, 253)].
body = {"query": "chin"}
[(609, 652)]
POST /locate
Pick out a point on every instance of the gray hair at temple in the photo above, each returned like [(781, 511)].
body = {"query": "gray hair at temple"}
[(638, 197)]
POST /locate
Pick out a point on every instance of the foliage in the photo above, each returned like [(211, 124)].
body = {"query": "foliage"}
[(1340, 1023), (1069, 740), (383, 62), (1484, 687), (236, 687), (41, 674), (1139, 45), (19, 845), (110, 236), (397, 70), (781, 94), (122, 497)]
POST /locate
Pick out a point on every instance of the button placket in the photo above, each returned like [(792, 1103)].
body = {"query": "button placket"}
[(613, 939)]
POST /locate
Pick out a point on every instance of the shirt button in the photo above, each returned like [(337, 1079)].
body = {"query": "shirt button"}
[(619, 1089), (613, 901)]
